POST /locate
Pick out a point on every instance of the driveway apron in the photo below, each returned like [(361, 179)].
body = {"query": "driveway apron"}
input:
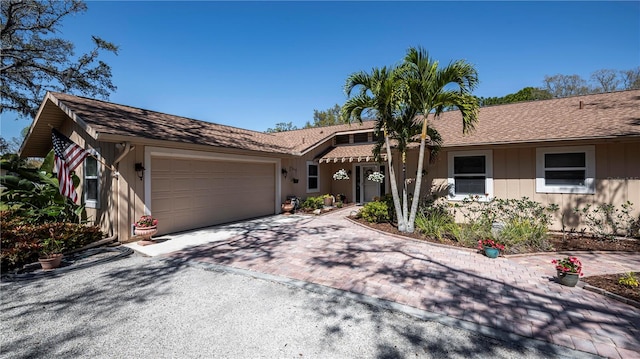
[(511, 295)]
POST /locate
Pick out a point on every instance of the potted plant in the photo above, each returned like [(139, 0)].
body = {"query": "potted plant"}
[(146, 227), (328, 200), (341, 174), (491, 248), (375, 176), (51, 252), (288, 206), (569, 270)]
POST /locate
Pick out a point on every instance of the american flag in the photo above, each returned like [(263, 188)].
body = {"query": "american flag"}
[(68, 155)]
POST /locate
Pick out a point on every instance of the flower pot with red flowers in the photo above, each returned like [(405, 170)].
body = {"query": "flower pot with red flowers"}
[(490, 247), (146, 227), (569, 270)]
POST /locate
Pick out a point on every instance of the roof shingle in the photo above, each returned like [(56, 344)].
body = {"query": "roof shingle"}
[(606, 115)]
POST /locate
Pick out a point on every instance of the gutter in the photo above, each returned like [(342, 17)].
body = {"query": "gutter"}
[(114, 233)]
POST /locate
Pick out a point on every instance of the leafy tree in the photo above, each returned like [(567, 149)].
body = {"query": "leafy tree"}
[(13, 145), (606, 80), (281, 127), (4, 146), (631, 78), (33, 60), (328, 117), (566, 85), (526, 94)]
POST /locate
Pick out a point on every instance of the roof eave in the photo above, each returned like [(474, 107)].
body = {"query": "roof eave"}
[(546, 140), (37, 142)]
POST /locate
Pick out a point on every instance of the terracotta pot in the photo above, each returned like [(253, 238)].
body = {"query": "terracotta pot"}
[(328, 201), (287, 207), (51, 261), (145, 232)]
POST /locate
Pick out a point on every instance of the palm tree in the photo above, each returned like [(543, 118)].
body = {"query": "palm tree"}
[(402, 131), (381, 95), (433, 90)]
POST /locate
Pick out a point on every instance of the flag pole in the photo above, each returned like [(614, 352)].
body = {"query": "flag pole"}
[(113, 169), (103, 162)]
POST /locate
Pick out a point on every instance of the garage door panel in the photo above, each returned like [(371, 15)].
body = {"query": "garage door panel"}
[(188, 193)]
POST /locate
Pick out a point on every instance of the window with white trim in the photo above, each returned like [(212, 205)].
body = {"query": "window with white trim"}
[(313, 177), (470, 174), (91, 183), (565, 169)]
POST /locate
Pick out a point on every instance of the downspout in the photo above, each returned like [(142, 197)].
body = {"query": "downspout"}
[(114, 233)]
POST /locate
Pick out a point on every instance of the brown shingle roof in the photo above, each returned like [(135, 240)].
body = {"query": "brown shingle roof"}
[(113, 119), (349, 153), (607, 115), (307, 138), (604, 115)]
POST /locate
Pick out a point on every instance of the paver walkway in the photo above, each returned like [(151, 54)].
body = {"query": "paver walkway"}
[(514, 295)]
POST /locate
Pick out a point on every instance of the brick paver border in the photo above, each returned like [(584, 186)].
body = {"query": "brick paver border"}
[(463, 286)]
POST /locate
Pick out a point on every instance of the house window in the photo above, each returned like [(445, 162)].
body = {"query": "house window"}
[(565, 169), (361, 137), (342, 139), (313, 182), (470, 174), (91, 181)]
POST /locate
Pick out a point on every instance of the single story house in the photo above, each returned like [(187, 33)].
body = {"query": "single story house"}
[(190, 174)]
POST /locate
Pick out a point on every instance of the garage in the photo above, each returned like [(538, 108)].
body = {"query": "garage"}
[(188, 193)]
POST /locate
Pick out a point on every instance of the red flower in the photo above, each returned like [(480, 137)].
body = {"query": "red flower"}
[(568, 265)]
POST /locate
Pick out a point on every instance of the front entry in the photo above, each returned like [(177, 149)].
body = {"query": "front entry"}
[(367, 191), (370, 189)]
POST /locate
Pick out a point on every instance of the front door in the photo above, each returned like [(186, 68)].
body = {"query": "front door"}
[(370, 189)]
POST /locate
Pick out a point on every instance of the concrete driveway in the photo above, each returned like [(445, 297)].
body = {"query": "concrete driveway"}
[(457, 286), (178, 241)]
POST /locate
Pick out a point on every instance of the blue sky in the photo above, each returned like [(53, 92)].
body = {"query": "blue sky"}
[(254, 64)]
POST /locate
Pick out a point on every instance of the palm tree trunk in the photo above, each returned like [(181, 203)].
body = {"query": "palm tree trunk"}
[(416, 190), (402, 224), (405, 200)]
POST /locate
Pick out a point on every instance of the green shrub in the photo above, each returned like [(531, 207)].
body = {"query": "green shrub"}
[(35, 193), (470, 233), (312, 203), (605, 221), (22, 242), (629, 280), (521, 233), (375, 212), (525, 222), (388, 199), (435, 220)]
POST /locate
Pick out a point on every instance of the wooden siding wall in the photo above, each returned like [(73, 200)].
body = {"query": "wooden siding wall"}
[(130, 192), (102, 215), (297, 168), (514, 172), (124, 192)]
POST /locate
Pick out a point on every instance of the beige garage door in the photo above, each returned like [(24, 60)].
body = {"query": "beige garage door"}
[(189, 193)]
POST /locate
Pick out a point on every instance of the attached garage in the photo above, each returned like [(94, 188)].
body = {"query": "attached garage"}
[(202, 190)]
